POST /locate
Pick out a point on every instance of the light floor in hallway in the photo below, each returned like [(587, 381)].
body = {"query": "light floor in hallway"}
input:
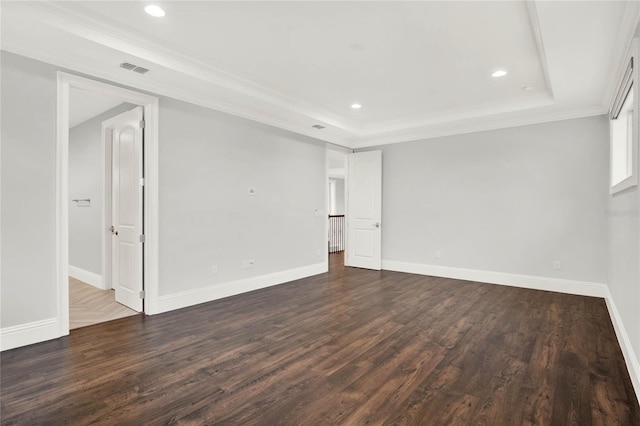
[(89, 305)]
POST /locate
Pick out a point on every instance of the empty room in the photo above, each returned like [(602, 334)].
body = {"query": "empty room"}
[(320, 212)]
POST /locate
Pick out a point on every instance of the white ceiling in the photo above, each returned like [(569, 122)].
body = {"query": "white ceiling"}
[(420, 69), (84, 106)]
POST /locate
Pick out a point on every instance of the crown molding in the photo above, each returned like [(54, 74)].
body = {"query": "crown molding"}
[(461, 114), (469, 112), (428, 131), (630, 22), (486, 123), (164, 89), (285, 111), (454, 127), (127, 40)]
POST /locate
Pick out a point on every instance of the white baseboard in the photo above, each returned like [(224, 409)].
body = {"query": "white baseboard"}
[(219, 291), (86, 276), (39, 331), (582, 288), (630, 357), (28, 334)]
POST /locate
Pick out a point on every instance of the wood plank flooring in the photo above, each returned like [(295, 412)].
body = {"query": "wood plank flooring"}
[(350, 347), (89, 305)]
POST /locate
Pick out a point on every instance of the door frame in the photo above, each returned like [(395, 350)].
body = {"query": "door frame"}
[(107, 199), (150, 104)]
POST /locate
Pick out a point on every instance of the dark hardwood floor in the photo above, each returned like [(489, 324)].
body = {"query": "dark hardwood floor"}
[(349, 347)]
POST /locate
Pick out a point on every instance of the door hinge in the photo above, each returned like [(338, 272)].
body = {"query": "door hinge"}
[(142, 238), (141, 294), (142, 124), (141, 181)]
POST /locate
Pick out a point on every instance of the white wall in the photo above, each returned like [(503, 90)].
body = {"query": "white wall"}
[(624, 259), (339, 207), (28, 226), (208, 160), (512, 200), (85, 181)]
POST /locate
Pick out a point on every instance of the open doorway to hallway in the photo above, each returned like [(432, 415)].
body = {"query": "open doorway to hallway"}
[(92, 297), (337, 236), (89, 305)]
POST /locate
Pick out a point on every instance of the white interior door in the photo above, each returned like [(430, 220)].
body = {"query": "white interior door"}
[(365, 210), (127, 230)]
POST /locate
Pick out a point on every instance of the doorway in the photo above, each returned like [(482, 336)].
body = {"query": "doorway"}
[(79, 205), (361, 232), (92, 168), (336, 206)]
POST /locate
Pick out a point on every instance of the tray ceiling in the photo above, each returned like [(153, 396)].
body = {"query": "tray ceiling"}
[(419, 69)]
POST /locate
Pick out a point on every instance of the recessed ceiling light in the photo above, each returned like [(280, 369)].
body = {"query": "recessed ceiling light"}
[(356, 106), (154, 10), (527, 88), (499, 73)]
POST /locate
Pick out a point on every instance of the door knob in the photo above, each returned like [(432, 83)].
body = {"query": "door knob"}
[(377, 224), (113, 230)]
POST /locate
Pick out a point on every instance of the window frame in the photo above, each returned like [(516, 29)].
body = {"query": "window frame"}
[(627, 85)]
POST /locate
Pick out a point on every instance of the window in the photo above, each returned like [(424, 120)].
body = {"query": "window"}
[(624, 128), (621, 145)]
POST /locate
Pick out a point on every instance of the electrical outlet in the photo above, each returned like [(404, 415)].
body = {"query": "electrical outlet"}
[(214, 270), (557, 265), (248, 263), (438, 254)]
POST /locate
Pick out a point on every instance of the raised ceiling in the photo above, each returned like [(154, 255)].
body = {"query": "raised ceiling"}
[(419, 69)]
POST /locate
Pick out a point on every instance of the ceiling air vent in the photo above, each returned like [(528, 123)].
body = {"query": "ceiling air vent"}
[(134, 68), (317, 126)]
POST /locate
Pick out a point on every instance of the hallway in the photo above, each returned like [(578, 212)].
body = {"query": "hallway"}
[(89, 305)]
